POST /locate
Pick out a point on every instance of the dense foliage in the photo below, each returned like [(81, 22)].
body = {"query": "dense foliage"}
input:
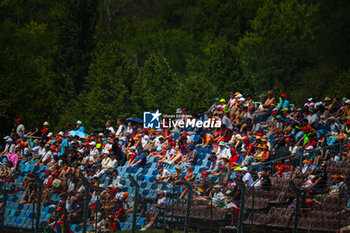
[(95, 60)]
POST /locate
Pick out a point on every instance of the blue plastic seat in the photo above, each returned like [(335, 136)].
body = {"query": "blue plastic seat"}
[(27, 214), (12, 213)]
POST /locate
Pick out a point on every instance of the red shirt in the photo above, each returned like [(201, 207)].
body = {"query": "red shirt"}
[(249, 148), (120, 212)]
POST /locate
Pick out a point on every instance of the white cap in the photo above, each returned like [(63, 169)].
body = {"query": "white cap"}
[(244, 169), (7, 137), (50, 134), (9, 140), (309, 148), (78, 123), (92, 143), (61, 133), (309, 99), (241, 99), (239, 96)]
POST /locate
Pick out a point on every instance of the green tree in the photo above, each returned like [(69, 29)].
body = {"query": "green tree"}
[(107, 89), (155, 86), (277, 51), (76, 26), (25, 92), (195, 93)]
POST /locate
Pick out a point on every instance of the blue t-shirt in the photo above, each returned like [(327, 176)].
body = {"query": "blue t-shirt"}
[(142, 157), (64, 144), (240, 159)]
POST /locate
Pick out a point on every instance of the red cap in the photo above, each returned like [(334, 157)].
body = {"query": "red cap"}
[(112, 191), (55, 174), (184, 132), (48, 171), (67, 134), (283, 95), (251, 108), (67, 124), (52, 147), (44, 130), (21, 144), (144, 131), (348, 122), (18, 120), (245, 139), (93, 207), (170, 136), (160, 165), (259, 134), (287, 139), (18, 141)]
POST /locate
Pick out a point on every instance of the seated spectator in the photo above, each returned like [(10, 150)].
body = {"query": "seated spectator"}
[(214, 168), (153, 214), (217, 196), (140, 159), (191, 156), (176, 177), (162, 174), (247, 177)]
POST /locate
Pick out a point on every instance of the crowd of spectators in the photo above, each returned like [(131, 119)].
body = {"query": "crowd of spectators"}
[(250, 137)]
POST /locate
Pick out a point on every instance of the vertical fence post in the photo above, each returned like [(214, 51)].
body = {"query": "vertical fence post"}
[(136, 203), (241, 206), (297, 206), (38, 206), (189, 202), (87, 186)]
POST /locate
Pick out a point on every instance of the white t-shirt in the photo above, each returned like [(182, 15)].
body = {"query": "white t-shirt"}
[(223, 151), (144, 140), (20, 130), (169, 152), (47, 157), (12, 149), (249, 178), (106, 149), (165, 172), (217, 198), (162, 201), (36, 150), (111, 129), (121, 129)]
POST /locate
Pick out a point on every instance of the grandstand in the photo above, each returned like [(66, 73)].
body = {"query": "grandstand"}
[(289, 191)]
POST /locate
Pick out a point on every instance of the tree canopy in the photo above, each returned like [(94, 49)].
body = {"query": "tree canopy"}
[(97, 60)]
